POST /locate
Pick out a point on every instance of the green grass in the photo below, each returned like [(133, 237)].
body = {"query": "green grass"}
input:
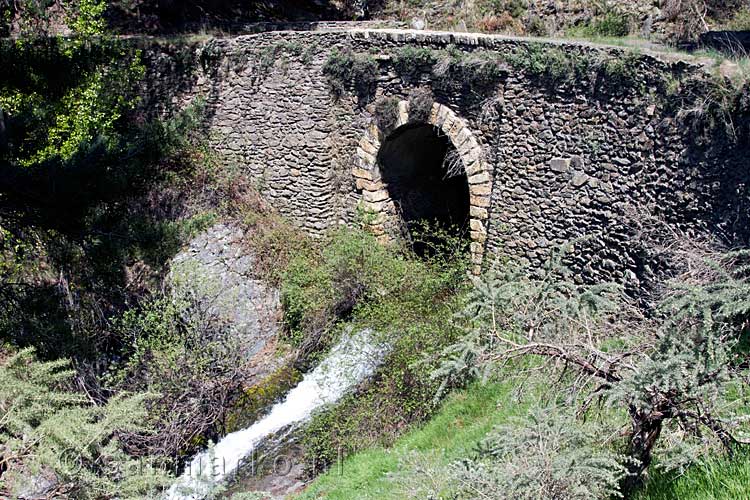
[(464, 419), (719, 478)]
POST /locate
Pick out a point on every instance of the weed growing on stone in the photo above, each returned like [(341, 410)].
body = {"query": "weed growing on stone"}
[(553, 66), (386, 113), (420, 105), (457, 69), (410, 62), (347, 69)]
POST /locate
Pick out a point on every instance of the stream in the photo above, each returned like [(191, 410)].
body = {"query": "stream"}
[(352, 360)]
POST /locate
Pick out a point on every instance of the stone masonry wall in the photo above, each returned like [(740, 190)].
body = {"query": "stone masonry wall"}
[(568, 161)]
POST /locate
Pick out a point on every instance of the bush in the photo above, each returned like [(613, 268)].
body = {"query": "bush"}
[(740, 21), (610, 24), (515, 8), (548, 454), (59, 437), (478, 71), (678, 376), (410, 62), (420, 105), (386, 113), (407, 300), (186, 353), (552, 65), (345, 69)]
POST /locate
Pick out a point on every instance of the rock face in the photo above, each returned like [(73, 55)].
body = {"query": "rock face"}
[(218, 268), (567, 160)]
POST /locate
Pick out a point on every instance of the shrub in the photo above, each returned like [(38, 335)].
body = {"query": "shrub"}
[(409, 301), (610, 24), (58, 435), (515, 8), (345, 69), (740, 21), (410, 62), (477, 71), (548, 454), (185, 351), (500, 23), (621, 72), (677, 376), (420, 105), (552, 65), (386, 113)]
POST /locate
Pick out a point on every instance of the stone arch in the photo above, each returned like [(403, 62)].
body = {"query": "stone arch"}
[(375, 197)]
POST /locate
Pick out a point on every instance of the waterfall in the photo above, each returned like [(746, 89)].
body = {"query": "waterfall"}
[(352, 360)]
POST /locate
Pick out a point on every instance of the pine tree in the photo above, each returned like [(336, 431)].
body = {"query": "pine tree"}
[(57, 442)]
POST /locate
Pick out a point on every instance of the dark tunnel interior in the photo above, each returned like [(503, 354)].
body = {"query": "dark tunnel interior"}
[(426, 180)]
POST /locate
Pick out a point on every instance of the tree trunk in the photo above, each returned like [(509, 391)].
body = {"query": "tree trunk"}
[(646, 430)]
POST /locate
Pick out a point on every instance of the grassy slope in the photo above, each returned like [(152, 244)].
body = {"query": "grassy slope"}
[(464, 419), (718, 479)]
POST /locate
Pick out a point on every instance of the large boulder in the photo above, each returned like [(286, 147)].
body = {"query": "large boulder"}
[(218, 268)]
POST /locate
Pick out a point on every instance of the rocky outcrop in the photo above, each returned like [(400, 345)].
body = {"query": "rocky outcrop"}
[(218, 268)]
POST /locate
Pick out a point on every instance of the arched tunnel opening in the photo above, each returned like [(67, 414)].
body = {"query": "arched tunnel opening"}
[(427, 182)]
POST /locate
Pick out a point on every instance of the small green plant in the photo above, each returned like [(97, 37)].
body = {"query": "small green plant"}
[(708, 105), (621, 72), (410, 62), (209, 56), (516, 8), (740, 21), (552, 65), (346, 69), (612, 23), (420, 105), (386, 113), (477, 70)]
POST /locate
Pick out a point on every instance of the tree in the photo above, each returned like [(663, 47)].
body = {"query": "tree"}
[(677, 372), (57, 442)]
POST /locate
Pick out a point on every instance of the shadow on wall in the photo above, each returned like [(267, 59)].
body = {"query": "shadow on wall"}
[(425, 179)]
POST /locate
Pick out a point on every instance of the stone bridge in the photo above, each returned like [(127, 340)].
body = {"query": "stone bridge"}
[(524, 144)]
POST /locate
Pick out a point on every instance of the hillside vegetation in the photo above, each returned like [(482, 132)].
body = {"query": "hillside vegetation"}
[(667, 20), (517, 383)]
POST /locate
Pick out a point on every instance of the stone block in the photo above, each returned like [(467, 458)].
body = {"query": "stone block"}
[(560, 165), (479, 201), (478, 212), (480, 189), (476, 225), (375, 196), (478, 236), (480, 178), (362, 173)]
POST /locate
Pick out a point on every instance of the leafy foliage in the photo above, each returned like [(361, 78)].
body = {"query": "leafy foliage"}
[(410, 62), (475, 71), (386, 113), (677, 377), (385, 288), (548, 454), (346, 69), (554, 66), (181, 349), (59, 435)]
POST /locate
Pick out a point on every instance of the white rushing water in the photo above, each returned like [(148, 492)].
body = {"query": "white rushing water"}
[(355, 358)]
